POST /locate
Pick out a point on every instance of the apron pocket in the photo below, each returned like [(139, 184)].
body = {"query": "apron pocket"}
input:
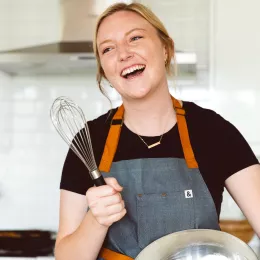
[(161, 214)]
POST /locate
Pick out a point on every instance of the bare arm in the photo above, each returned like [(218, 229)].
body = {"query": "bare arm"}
[(244, 187), (80, 236)]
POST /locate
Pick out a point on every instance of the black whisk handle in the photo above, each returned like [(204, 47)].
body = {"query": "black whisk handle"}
[(97, 178), (99, 181)]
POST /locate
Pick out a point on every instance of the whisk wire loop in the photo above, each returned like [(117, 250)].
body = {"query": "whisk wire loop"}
[(70, 122)]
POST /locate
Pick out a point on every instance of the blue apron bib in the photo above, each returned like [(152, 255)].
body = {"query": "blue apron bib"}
[(162, 195)]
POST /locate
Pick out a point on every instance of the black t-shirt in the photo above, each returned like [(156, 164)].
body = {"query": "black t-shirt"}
[(219, 149)]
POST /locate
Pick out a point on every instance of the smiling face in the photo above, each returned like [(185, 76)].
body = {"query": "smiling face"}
[(131, 54)]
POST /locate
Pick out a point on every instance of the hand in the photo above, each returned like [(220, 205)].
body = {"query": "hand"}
[(105, 202)]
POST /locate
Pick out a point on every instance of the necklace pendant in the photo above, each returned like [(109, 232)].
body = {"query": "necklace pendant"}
[(153, 145)]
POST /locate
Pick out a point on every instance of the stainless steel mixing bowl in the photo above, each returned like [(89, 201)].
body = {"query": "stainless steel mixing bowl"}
[(195, 244)]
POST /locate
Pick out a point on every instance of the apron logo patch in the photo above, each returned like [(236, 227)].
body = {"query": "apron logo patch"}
[(188, 194)]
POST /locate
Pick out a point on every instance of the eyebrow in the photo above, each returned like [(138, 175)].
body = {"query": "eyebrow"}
[(135, 29)]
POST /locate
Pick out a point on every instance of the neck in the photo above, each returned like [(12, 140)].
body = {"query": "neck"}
[(150, 116)]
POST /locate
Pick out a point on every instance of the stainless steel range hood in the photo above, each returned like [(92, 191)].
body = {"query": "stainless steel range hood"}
[(54, 58), (73, 52)]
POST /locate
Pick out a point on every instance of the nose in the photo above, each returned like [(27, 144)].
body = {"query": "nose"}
[(124, 53)]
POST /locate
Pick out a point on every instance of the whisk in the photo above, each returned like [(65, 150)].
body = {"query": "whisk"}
[(70, 122)]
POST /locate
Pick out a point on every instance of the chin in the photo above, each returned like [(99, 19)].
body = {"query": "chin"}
[(135, 90), (139, 94)]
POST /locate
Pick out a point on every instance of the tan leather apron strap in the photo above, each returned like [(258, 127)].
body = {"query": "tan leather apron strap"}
[(184, 135), (108, 254), (115, 130), (112, 140)]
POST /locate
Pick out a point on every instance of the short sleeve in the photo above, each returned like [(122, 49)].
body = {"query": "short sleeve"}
[(75, 176), (235, 153), (219, 148)]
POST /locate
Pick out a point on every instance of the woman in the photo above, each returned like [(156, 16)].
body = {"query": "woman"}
[(166, 162)]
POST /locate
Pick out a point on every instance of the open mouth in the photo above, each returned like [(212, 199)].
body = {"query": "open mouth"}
[(133, 72)]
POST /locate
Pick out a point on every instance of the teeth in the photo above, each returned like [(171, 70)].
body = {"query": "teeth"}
[(132, 69)]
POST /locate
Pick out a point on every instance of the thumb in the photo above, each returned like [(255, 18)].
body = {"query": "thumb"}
[(111, 181)]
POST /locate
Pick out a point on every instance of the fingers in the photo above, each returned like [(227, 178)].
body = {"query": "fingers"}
[(106, 202), (116, 208), (112, 200), (103, 211), (108, 221), (115, 217), (100, 191), (113, 183), (105, 190)]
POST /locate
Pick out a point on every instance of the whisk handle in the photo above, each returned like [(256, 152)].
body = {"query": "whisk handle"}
[(99, 181), (97, 178)]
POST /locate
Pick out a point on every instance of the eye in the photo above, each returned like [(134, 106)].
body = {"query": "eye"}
[(135, 38), (106, 50)]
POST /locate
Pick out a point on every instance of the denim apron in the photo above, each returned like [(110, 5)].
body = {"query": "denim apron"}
[(162, 195)]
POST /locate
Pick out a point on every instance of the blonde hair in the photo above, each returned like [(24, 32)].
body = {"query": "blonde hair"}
[(148, 15)]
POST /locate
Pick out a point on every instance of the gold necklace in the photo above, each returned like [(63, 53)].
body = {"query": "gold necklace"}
[(151, 145), (154, 144)]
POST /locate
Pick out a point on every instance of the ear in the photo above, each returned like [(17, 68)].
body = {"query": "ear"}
[(168, 51), (165, 53)]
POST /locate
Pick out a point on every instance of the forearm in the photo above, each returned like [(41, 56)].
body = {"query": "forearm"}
[(85, 243)]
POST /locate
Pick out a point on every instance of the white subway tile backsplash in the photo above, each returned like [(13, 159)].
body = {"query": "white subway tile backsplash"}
[(40, 108), (18, 94), (24, 123), (22, 139), (30, 92), (24, 108), (6, 108), (5, 142), (32, 153), (26, 93), (5, 170)]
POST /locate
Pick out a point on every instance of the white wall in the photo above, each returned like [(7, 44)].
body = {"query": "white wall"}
[(28, 22), (237, 64), (187, 23), (236, 73), (32, 153), (236, 78), (4, 24)]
